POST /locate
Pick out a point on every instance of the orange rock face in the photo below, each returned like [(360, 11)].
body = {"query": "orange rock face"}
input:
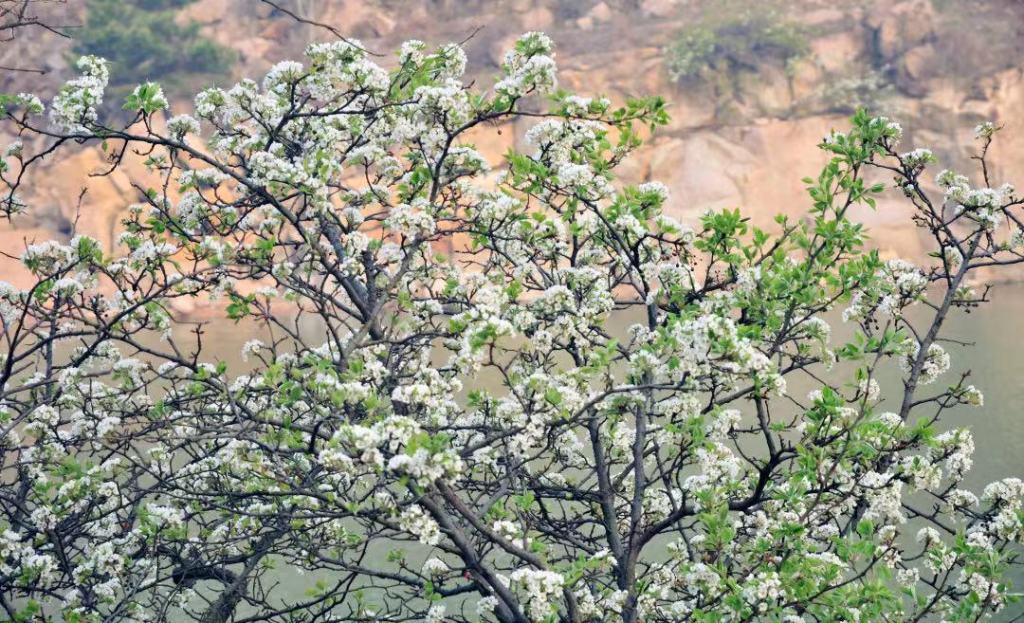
[(747, 150)]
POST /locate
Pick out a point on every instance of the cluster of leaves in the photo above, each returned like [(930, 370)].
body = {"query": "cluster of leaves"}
[(857, 89)]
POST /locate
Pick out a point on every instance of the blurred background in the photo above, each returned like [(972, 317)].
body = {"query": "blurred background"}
[(752, 85)]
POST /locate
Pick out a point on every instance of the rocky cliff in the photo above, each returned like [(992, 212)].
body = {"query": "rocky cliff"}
[(940, 66)]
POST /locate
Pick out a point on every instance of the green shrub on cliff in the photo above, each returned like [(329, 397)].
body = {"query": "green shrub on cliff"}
[(731, 38), (143, 41)]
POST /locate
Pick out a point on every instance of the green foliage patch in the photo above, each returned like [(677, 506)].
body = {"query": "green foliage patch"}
[(731, 37), (143, 41)]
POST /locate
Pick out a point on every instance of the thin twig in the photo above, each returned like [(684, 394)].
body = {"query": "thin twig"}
[(334, 31), (24, 69)]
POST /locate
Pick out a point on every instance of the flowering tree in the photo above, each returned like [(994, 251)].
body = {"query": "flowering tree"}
[(531, 395)]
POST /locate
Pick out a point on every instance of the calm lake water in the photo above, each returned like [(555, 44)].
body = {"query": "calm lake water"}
[(997, 369)]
